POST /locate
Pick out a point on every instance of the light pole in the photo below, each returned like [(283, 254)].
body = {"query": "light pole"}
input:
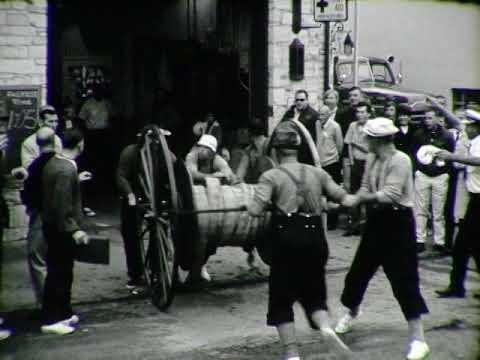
[(355, 49)]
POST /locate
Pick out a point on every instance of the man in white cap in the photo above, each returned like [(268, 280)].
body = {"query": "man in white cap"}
[(388, 239), (466, 242), (203, 162)]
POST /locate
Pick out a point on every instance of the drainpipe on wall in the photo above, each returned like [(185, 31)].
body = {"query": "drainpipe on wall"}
[(189, 25), (195, 29), (326, 61)]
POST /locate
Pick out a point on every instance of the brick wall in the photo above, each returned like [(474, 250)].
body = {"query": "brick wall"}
[(280, 88), (23, 61), (23, 43)]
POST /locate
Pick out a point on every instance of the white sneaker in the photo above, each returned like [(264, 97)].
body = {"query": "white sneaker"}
[(418, 350), (73, 320), (4, 334), (333, 341), (344, 325), (204, 274), (58, 328)]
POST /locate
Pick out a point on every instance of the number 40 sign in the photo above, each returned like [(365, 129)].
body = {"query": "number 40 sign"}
[(330, 10)]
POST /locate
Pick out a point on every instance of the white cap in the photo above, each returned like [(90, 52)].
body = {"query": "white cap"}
[(380, 127), (208, 141)]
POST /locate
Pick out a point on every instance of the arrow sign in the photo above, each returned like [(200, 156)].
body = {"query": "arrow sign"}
[(330, 10)]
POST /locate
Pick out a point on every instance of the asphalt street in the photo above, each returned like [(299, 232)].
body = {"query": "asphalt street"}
[(226, 320)]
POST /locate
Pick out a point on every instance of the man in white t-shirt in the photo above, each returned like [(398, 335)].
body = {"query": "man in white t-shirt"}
[(95, 114), (466, 243), (357, 150), (30, 149)]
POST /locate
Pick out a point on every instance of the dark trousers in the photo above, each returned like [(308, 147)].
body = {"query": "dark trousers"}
[(1, 257), (466, 244), (450, 209), (335, 171), (131, 241), (58, 284), (99, 159), (388, 241), (297, 270)]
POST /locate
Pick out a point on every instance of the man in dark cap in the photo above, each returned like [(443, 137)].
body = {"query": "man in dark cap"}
[(300, 249)]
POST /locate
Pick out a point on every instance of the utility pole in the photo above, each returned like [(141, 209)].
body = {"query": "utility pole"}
[(355, 49)]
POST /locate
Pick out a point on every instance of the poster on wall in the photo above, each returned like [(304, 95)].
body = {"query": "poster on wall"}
[(82, 74), (19, 104)]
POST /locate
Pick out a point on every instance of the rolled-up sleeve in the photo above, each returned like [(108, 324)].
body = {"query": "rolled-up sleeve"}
[(365, 186), (397, 174)]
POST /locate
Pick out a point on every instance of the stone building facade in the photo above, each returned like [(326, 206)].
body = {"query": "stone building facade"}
[(23, 43), (281, 89), (23, 61)]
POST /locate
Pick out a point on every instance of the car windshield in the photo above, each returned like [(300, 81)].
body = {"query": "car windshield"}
[(345, 72), (382, 73)]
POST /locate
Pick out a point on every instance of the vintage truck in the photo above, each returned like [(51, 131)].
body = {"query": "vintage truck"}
[(377, 79)]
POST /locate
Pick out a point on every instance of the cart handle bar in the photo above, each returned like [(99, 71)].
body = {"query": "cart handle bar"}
[(210, 211)]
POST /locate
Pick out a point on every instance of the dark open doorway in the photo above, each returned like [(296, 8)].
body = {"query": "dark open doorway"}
[(208, 57)]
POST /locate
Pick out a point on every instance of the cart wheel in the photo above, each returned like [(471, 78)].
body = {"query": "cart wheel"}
[(159, 218)]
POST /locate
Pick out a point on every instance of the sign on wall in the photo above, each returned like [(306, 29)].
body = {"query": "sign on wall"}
[(20, 105), (309, 14), (330, 10)]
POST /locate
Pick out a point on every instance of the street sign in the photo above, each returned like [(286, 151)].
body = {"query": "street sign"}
[(330, 10)]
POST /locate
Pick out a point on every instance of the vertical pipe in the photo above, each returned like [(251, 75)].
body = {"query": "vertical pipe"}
[(189, 25), (195, 14), (327, 59), (51, 44), (355, 49)]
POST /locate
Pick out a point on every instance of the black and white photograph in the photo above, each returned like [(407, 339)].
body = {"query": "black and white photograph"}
[(240, 179)]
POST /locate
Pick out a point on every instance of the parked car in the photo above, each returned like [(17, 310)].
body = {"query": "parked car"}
[(377, 79)]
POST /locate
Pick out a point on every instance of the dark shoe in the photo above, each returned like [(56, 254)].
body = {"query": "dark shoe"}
[(420, 247), (348, 232), (134, 283), (331, 226), (476, 295), (355, 231), (450, 293), (441, 249)]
